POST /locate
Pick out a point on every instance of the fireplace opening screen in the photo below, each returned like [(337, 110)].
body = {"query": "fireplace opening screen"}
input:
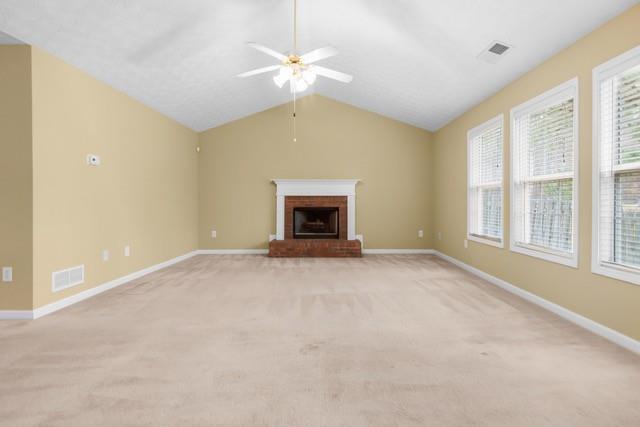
[(315, 223)]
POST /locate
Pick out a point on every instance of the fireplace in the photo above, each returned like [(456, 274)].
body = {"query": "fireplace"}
[(315, 223), (315, 218)]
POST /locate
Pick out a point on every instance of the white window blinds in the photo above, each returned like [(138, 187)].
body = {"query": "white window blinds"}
[(619, 169), (485, 181), (543, 156)]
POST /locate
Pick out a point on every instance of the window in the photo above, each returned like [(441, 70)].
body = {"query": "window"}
[(544, 161), (616, 160), (484, 171)]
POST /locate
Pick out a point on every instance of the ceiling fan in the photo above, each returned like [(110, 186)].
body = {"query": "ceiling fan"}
[(300, 71)]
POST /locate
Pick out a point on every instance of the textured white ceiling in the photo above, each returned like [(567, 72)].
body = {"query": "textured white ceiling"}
[(413, 60)]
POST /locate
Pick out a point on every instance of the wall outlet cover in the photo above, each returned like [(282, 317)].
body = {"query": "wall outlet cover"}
[(214, 234), (421, 233), (105, 255), (7, 274), (127, 251)]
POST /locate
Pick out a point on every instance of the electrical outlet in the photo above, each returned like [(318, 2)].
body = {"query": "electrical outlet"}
[(127, 250), (7, 274), (466, 243), (439, 235), (105, 255), (214, 234), (421, 233)]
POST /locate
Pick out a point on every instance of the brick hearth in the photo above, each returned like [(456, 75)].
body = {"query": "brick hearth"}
[(315, 248)]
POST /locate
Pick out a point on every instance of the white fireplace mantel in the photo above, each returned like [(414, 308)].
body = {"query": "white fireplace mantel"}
[(316, 187)]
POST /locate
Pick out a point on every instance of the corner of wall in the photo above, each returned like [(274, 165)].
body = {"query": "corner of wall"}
[(16, 190)]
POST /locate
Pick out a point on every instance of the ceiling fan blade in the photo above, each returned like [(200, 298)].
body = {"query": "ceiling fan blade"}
[(332, 74), (259, 71), (268, 51), (318, 54)]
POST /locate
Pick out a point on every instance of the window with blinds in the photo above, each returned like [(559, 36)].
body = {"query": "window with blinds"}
[(617, 180), (484, 171), (544, 190)]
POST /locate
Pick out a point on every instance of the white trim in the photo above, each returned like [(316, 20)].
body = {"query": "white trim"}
[(398, 251), (232, 251), (16, 315), (471, 135), (486, 241), (351, 217), (81, 296), (567, 90), (316, 187), (279, 217), (602, 72), (588, 324)]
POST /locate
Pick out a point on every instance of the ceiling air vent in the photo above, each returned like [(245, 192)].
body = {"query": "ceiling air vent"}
[(64, 279), (494, 52)]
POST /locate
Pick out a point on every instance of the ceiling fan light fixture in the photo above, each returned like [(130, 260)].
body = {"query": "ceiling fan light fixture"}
[(297, 69), (298, 85), (309, 76), (280, 79), (286, 72)]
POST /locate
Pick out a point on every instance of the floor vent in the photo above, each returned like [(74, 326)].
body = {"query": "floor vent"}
[(64, 279), (494, 52)]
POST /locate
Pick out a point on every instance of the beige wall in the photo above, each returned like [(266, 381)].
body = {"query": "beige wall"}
[(15, 176), (144, 194), (610, 302), (238, 160)]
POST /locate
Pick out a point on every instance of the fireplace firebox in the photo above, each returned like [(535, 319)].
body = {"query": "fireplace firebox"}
[(315, 223)]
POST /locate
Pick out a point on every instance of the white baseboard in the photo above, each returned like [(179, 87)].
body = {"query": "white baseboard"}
[(81, 296), (398, 251), (16, 314), (232, 251), (595, 327), (364, 251)]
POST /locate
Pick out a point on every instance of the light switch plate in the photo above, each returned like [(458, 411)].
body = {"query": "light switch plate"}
[(7, 274), (421, 233), (105, 255), (214, 234), (127, 251)]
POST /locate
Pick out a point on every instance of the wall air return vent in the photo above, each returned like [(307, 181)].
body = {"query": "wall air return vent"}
[(494, 52), (64, 279)]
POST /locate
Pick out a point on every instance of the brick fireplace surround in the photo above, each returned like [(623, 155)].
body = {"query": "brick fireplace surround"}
[(288, 246)]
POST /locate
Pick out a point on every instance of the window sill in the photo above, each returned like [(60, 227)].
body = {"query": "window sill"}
[(570, 260), (618, 272), (486, 240)]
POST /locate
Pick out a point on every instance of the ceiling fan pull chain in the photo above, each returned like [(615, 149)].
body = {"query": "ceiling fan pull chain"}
[(295, 139)]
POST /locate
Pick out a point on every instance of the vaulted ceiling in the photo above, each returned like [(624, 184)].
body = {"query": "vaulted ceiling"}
[(413, 60)]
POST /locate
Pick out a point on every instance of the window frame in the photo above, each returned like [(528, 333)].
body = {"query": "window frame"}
[(601, 73), (567, 90), (471, 134)]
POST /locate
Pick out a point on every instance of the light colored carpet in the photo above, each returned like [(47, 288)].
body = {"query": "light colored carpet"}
[(253, 341)]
